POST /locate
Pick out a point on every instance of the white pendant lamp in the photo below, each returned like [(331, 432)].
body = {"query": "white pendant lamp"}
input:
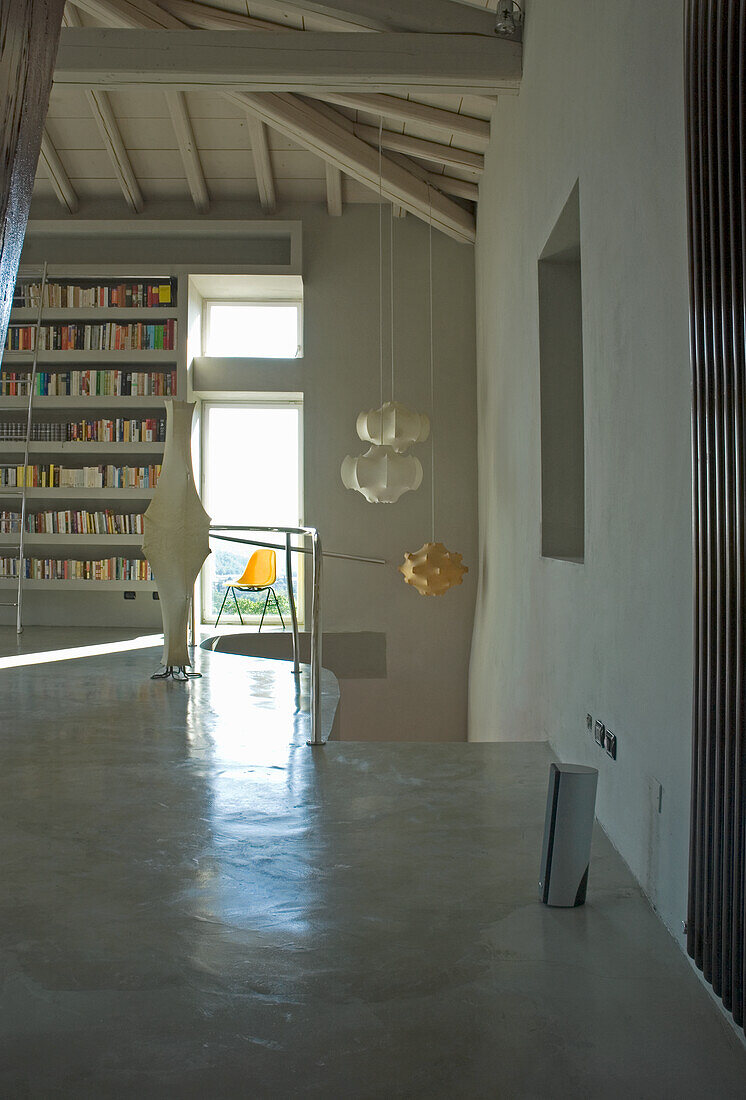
[(384, 473), (381, 474), (393, 425)]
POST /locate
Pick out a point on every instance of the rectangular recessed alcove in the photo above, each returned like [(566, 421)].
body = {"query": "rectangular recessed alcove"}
[(561, 380)]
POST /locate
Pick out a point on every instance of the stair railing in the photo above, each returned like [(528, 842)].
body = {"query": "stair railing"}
[(317, 555)]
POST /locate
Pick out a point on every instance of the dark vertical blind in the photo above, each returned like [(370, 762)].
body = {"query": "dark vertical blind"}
[(716, 136)]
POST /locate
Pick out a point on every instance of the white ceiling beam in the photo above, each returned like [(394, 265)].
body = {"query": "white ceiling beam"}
[(182, 124), (310, 61), (201, 15), (449, 185), (262, 163), (404, 110), (109, 129), (463, 189), (435, 16), (325, 132), (333, 143), (58, 177), (333, 190), (112, 138), (130, 14), (423, 150), (193, 14)]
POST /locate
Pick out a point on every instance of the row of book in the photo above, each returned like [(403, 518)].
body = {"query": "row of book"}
[(131, 294), (71, 569), (90, 383), (149, 429), (52, 476), (86, 337), (73, 522)]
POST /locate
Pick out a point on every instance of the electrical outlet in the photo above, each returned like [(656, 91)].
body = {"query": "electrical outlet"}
[(589, 723), (598, 733), (610, 744)]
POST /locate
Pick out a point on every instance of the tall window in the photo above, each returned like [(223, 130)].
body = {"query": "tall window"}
[(253, 330), (252, 474)]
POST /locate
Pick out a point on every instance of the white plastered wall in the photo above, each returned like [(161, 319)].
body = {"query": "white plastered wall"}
[(602, 102)]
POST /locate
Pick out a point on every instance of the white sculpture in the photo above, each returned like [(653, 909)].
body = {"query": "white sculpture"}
[(393, 425), (382, 475), (176, 539)]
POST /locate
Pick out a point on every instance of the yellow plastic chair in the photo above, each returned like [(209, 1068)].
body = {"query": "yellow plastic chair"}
[(260, 574)]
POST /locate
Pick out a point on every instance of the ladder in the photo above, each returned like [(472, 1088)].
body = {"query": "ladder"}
[(19, 493)]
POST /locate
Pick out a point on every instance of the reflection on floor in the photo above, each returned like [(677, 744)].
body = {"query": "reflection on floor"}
[(195, 904)]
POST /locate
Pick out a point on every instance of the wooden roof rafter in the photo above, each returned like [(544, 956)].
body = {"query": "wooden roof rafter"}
[(344, 145), (182, 124), (57, 174), (103, 115), (265, 179)]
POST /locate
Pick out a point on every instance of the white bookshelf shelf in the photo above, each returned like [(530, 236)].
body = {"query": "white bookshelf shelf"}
[(26, 315), (32, 540), (39, 493), (44, 447), (73, 358), (80, 586), (111, 401)]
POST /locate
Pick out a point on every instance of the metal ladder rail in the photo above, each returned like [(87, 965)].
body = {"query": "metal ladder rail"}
[(29, 421)]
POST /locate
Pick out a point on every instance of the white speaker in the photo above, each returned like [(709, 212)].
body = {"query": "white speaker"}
[(568, 831)]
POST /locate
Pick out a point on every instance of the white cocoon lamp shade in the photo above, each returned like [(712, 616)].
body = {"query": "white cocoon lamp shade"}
[(176, 539), (382, 475), (393, 425)]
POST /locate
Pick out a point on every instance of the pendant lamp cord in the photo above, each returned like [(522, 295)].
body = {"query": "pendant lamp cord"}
[(380, 266), (391, 288), (432, 366)]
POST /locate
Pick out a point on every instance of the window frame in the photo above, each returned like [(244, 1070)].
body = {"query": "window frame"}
[(207, 304), (253, 401)]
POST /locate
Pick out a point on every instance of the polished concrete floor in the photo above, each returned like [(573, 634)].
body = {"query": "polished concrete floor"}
[(196, 904)]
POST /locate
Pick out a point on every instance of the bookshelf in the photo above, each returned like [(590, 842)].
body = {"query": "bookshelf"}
[(109, 346)]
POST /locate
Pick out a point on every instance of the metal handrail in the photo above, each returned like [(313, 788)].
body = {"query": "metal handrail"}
[(317, 554), (316, 638), (295, 549)]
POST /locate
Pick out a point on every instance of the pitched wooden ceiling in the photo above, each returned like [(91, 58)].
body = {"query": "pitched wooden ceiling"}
[(145, 144)]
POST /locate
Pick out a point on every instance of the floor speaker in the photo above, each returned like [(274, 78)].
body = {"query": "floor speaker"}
[(568, 830)]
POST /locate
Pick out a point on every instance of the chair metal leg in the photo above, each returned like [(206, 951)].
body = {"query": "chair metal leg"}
[(235, 600), (277, 605), (264, 612), (225, 597)]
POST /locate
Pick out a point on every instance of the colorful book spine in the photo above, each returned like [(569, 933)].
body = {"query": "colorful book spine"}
[(52, 476), (73, 569), (108, 336), (95, 294), (149, 429)]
